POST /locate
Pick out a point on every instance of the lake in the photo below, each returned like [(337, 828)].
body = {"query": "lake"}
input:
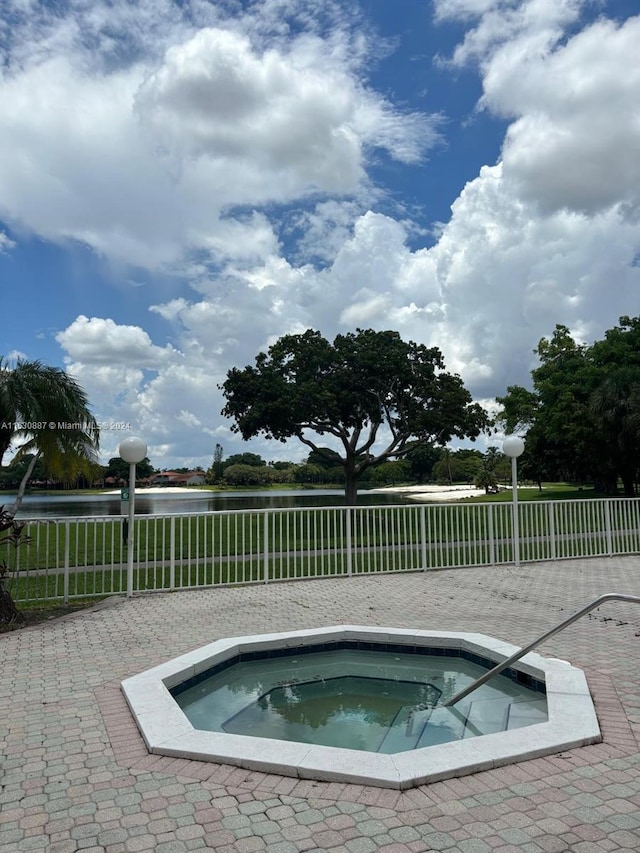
[(58, 506)]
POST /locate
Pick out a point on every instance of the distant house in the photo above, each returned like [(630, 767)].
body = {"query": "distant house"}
[(177, 478)]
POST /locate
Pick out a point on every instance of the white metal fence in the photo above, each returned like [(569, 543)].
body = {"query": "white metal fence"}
[(70, 558)]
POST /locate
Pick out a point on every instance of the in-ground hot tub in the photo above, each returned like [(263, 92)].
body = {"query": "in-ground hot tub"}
[(360, 704)]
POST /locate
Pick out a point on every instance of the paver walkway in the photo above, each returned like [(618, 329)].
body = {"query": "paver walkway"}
[(75, 774)]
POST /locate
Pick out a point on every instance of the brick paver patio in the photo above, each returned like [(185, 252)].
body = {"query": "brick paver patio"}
[(76, 776)]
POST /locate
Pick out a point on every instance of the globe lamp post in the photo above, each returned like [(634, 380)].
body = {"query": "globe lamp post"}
[(513, 446), (132, 450)]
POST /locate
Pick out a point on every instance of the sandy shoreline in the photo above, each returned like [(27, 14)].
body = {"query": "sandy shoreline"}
[(432, 493), (161, 490), (415, 493)]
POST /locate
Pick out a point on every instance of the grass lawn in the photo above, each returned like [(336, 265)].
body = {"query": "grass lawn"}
[(550, 492)]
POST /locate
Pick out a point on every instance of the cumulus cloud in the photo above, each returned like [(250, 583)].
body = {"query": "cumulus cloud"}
[(153, 151), (100, 341), (574, 102), (174, 405), (575, 143)]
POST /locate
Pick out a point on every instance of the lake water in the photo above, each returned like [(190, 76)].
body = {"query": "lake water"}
[(57, 506)]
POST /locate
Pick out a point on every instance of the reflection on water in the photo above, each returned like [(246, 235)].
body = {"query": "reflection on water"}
[(385, 701), (349, 712), (56, 506)]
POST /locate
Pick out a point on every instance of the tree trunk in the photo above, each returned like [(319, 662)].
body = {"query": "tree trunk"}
[(350, 488), (9, 613), (629, 485), (23, 485)]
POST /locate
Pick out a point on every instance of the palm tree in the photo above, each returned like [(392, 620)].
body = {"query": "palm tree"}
[(47, 413)]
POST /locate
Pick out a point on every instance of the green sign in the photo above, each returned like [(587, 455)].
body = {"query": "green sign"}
[(124, 493)]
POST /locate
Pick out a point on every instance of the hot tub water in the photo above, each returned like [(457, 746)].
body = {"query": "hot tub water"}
[(377, 701)]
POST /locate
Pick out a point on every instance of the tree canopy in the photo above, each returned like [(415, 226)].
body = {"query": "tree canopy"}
[(241, 474), (46, 412), (378, 396), (582, 418), (119, 469), (253, 460)]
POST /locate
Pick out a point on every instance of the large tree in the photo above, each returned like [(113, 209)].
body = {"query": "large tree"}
[(254, 460), (582, 417), (118, 468), (377, 395), (45, 412)]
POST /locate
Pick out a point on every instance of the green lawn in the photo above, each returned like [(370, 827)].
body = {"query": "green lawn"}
[(550, 492)]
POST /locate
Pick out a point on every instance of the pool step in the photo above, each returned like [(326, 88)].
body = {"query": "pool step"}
[(405, 730), (487, 716), (527, 713), (416, 728), (442, 726)]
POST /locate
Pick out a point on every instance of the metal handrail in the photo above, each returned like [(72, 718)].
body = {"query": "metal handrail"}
[(609, 596)]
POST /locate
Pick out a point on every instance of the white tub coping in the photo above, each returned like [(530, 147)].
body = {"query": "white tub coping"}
[(571, 723)]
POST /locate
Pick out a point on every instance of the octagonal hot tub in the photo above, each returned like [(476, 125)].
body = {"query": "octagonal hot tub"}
[(360, 704)]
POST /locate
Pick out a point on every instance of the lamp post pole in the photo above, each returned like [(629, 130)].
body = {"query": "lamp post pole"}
[(513, 446), (132, 450)]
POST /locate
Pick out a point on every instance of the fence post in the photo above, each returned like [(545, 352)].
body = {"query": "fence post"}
[(608, 531), (348, 511), (265, 558), (552, 529), (172, 553), (492, 538), (65, 591), (423, 536)]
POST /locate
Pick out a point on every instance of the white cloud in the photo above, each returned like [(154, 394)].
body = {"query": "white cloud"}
[(507, 28), (577, 138), (6, 243), (15, 355), (366, 310), (508, 275), (181, 406), (100, 341), (326, 228), (172, 150), (287, 127), (175, 406), (576, 130), (108, 387)]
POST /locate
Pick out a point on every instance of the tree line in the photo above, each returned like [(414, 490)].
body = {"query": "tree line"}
[(427, 464)]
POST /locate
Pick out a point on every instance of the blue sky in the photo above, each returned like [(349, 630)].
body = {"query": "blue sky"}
[(183, 183)]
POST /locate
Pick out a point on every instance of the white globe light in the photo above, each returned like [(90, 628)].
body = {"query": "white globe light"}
[(132, 450), (513, 446)]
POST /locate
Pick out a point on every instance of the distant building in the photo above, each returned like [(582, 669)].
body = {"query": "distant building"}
[(177, 478)]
